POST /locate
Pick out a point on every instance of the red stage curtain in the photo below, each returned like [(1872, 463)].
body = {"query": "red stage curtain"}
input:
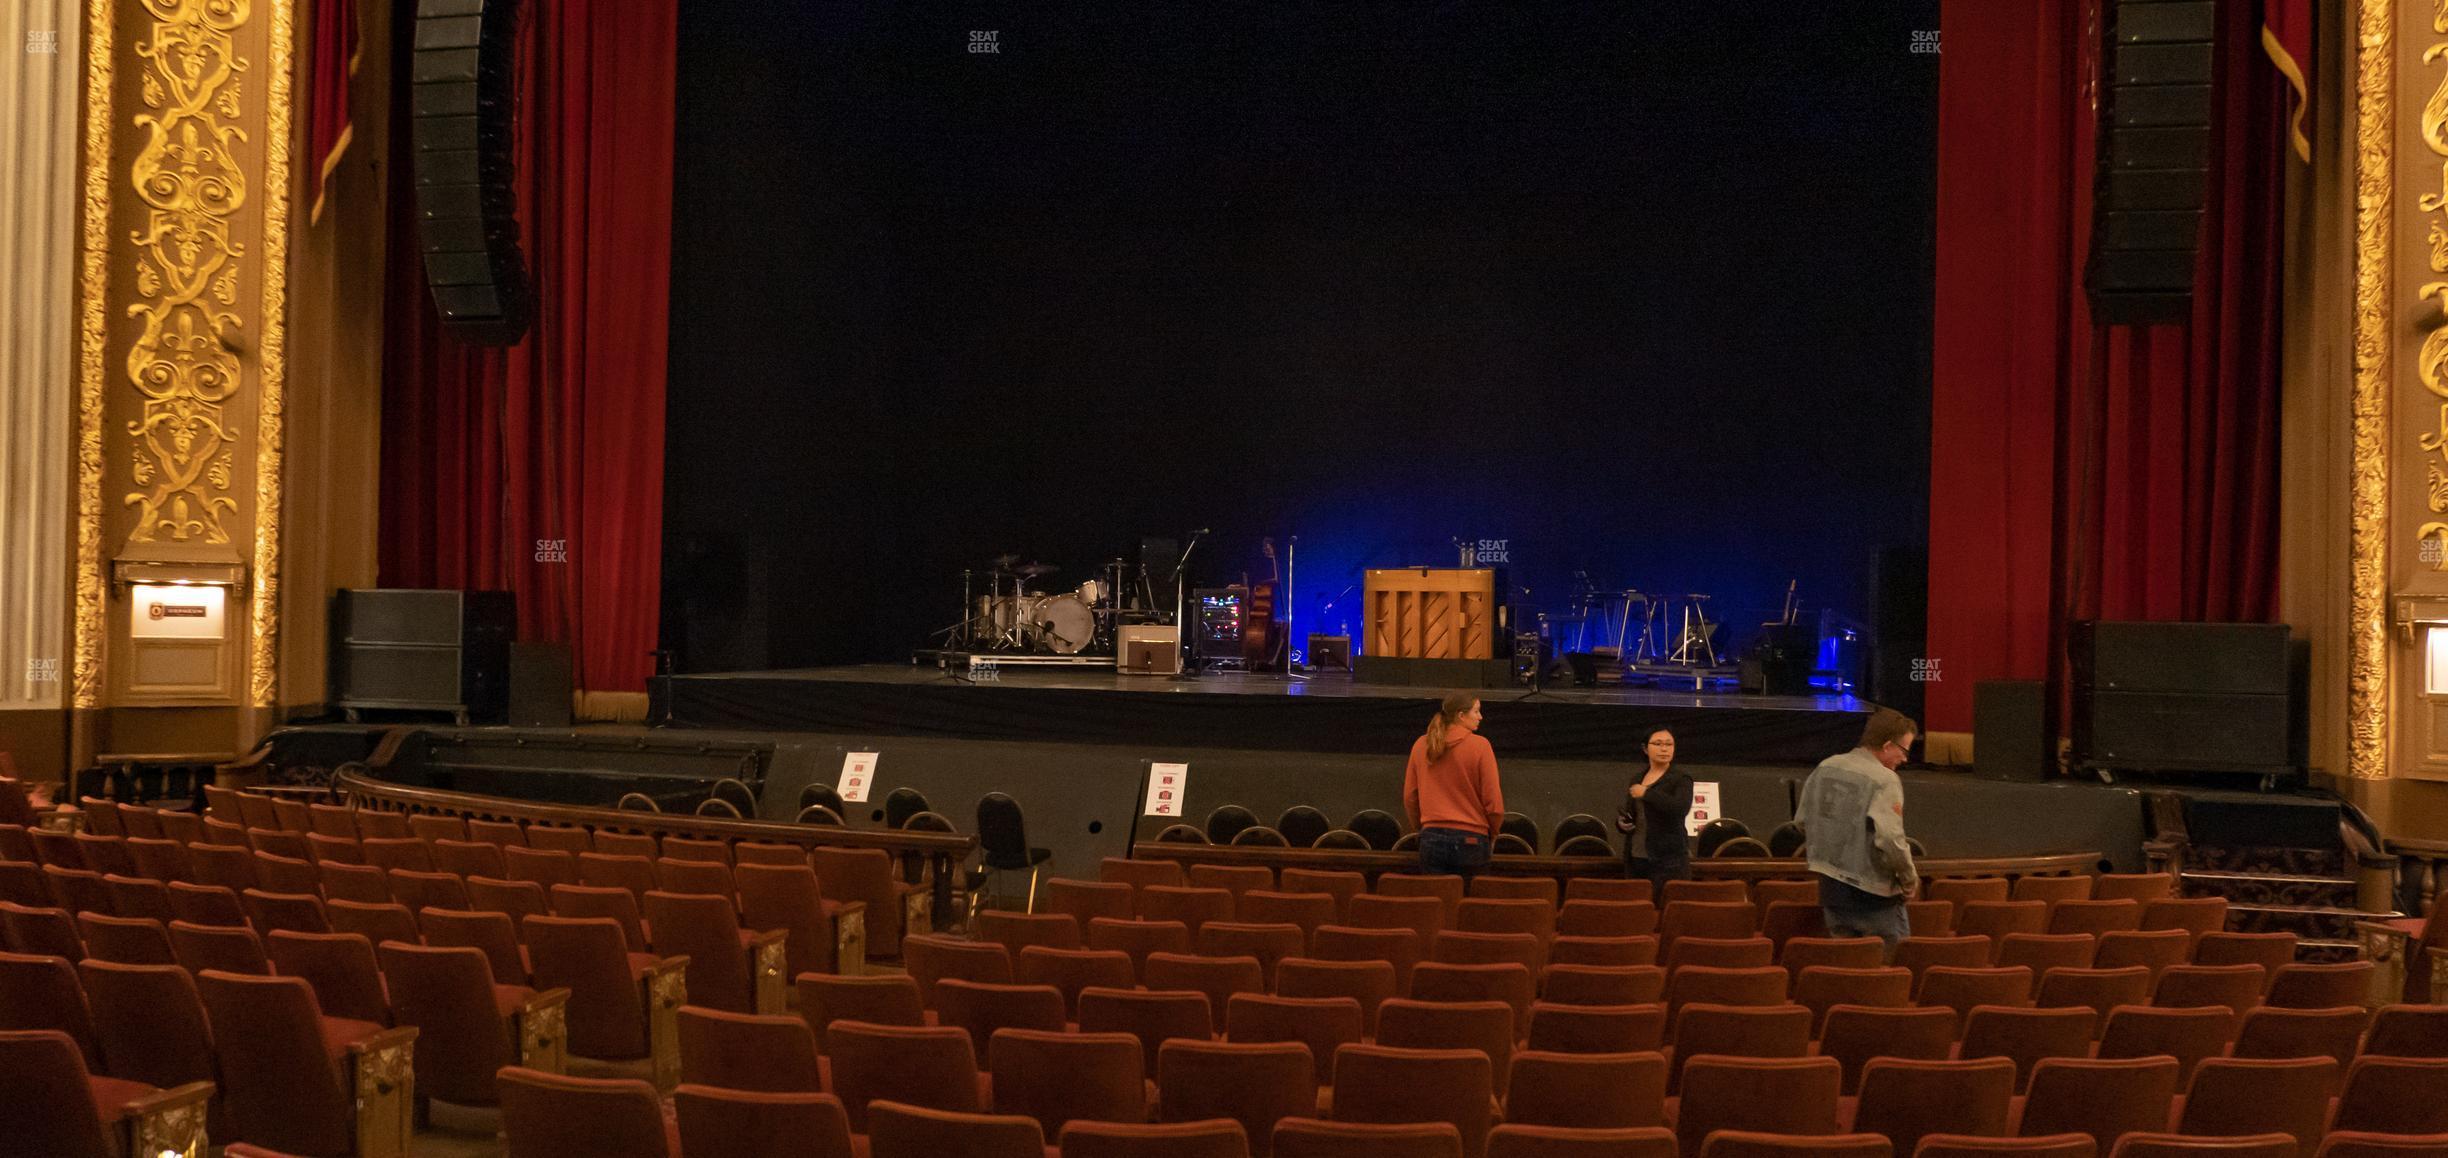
[(2081, 471), (328, 69), (539, 468)]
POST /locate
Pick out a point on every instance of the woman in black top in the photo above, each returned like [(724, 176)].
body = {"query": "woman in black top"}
[(1658, 800)]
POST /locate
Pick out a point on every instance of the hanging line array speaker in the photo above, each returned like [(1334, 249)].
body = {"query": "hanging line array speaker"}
[(463, 104), (2154, 159)]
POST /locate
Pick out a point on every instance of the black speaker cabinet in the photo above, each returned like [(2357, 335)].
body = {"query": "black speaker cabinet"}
[(2010, 734), (2185, 696), (540, 685), (443, 651), (2153, 163), (462, 110), (2124, 656)]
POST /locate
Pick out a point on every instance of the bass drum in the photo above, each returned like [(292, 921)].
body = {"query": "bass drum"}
[(1062, 624)]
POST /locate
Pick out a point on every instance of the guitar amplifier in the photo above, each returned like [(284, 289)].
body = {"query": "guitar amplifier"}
[(1148, 649)]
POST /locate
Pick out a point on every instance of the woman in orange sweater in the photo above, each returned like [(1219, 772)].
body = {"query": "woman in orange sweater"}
[(1451, 791)]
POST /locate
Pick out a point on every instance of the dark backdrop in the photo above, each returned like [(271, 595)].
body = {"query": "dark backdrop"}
[(1642, 290)]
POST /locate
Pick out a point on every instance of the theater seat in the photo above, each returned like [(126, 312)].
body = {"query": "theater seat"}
[(718, 1121), (468, 1028), (59, 1110), (551, 1116), (298, 1081)]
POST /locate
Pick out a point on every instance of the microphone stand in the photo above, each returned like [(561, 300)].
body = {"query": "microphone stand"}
[(1290, 621), (1186, 659)]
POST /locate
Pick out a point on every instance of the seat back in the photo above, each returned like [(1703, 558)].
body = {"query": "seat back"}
[(131, 941), (931, 957), (51, 1104), (2023, 1036), (2188, 1035), (1854, 1034), (706, 930), (1556, 1027), (2231, 1096), (230, 950), (491, 933), (607, 901), (982, 1008), (552, 1116), (745, 1051), (2395, 1095), (41, 993), (720, 1121), (1486, 1026), (341, 969), (447, 994), (877, 999), (930, 1066), (1602, 984), (1738, 1031), (1907, 1098), (1071, 971), (2102, 1099), (2271, 1031), (1586, 1091), (1375, 1083), (1776, 1095), (1054, 1077), (1151, 1015), (589, 957), (150, 1023), (277, 1080)]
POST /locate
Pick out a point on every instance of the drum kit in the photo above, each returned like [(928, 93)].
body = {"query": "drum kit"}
[(1012, 619)]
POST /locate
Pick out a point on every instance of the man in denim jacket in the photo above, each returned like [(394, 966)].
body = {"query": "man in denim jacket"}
[(1852, 818)]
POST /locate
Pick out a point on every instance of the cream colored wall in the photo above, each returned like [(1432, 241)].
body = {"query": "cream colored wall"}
[(40, 57)]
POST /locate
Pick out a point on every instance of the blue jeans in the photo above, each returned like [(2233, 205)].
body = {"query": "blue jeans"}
[(1453, 851), (1850, 912)]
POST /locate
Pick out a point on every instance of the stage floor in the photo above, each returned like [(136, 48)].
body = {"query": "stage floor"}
[(1323, 713)]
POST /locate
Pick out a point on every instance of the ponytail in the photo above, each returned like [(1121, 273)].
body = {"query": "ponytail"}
[(1448, 712)]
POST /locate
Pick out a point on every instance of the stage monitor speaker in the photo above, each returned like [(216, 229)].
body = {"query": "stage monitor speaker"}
[(2153, 159), (443, 651), (540, 685), (462, 109), (2010, 737)]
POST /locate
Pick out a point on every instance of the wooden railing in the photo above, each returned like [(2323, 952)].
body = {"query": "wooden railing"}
[(943, 851), (1563, 867)]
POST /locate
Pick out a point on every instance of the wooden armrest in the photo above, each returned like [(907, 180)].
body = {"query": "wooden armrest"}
[(539, 1031), (168, 1121), (850, 939), (2439, 975), (2390, 950), (917, 909), (382, 1078), (664, 989), (769, 971)]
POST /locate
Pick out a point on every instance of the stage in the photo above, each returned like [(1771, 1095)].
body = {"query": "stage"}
[(1328, 712)]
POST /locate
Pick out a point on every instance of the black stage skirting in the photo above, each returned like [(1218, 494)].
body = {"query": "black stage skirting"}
[(1326, 714)]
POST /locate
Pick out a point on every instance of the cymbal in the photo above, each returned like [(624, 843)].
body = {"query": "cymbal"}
[(1034, 570)]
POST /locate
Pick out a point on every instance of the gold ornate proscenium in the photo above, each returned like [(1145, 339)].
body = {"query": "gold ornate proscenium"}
[(192, 183), (2367, 652), (85, 688), (271, 369), (186, 288)]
